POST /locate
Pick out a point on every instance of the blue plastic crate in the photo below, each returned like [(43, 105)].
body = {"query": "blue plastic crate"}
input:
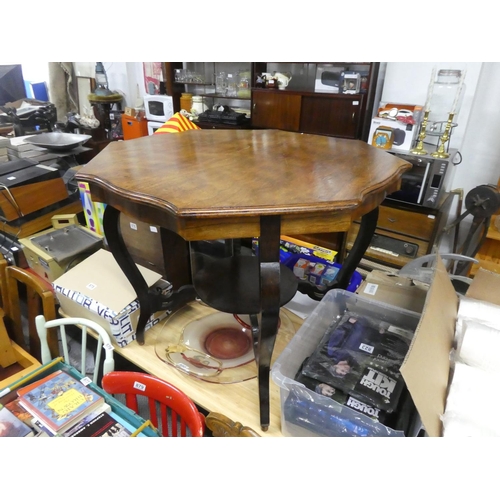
[(289, 258)]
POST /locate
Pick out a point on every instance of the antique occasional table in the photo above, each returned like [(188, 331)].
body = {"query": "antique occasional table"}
[(206, 185)]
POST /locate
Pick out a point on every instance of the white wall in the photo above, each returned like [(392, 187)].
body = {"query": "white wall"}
[(480, 149), (126, 78), (478, 123), (36, 71), (408, 83)]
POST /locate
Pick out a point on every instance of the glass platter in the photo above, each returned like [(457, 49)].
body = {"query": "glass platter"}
[(212, 346)]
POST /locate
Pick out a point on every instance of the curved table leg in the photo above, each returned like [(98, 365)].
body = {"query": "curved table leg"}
[(269, 244), (363, 239), (111, 223)]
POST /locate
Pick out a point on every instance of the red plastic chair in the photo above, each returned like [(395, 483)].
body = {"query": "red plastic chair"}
[(167, 405)]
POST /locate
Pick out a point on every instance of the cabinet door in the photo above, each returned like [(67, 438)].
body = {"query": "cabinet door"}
[(337, 116), (276, 110)]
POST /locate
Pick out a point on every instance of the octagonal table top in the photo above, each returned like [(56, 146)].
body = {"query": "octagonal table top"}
[(236, 176)]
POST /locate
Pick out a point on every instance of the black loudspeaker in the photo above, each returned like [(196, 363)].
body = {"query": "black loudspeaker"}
[(399, 137)]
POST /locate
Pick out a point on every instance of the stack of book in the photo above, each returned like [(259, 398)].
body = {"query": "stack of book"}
[(60, 405), (4, 142), (18, 148)]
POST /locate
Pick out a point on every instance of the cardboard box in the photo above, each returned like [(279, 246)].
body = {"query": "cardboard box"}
[(316, 272), (427, 368), (44, 263), (93, 211), (129, 111), (393, 289), (403, 134), (97, 289), (300, 268)]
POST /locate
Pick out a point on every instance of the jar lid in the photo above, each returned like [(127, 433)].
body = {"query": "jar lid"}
[(450, 72), (186, 95)]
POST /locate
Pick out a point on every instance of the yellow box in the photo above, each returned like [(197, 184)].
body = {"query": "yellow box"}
[(44, 264), (93, 211)]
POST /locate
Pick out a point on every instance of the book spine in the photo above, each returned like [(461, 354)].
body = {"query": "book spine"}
[(102, 425), (38, 416), (104, 408)]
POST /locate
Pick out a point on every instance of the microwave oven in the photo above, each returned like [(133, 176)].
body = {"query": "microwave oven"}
[(154, 126), (427, 181), (158, 108)]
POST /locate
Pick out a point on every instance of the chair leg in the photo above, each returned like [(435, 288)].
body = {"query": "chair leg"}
[(42, 333)]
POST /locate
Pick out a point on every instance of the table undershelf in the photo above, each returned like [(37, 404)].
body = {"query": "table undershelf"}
[(232, 284)]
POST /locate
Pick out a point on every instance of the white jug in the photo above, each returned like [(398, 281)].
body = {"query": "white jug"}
[(283, 79), (199, 105)]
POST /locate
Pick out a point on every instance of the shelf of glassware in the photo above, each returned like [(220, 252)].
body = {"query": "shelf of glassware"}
[(200, 78)]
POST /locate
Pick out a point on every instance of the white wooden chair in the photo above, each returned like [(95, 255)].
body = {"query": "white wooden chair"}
[(103, 342)]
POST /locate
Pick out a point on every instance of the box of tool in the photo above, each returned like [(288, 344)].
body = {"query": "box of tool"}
[(310, 262)]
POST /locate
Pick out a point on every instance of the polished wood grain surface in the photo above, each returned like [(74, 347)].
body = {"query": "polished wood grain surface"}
[(194, 181)]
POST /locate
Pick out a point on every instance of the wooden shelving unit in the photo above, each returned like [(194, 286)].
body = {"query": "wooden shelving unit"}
[(298, 108)]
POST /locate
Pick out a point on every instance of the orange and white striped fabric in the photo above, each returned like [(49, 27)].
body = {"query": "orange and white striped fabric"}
[(177, 123)]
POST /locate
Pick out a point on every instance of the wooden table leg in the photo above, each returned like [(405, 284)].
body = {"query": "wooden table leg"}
[(149, 300), (361, 243), (111, 223), (363, 239), (269, 244)]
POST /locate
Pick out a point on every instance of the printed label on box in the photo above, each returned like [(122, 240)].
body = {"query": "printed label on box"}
[(120, 323)]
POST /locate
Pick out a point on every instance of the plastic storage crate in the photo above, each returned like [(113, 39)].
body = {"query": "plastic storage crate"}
[(326, 416)]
